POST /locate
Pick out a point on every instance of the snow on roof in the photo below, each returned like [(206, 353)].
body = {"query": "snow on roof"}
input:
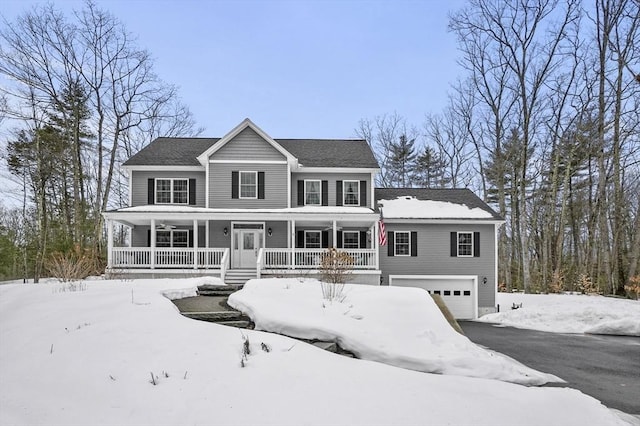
[(409, 207)]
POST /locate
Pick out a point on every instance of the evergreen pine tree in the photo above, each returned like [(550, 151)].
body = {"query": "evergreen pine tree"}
[(402, 161)]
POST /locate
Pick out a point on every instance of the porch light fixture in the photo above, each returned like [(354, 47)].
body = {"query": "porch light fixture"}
[(225, 231), (484, 280), (270, 231)]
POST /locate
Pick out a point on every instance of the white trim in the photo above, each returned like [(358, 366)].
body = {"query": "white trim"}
[(395, 242), (163, 168), (444, 221), (344, 193), (304, 194), (372, 184), (288, 185), (232, 229), (248, 162), (131, 189), (458, 244), (204, 157), (474, 278), (341, 170), (240, 172), (495, 261), (206, 186)]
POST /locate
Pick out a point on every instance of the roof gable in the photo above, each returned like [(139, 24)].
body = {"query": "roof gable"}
[(203, 158)]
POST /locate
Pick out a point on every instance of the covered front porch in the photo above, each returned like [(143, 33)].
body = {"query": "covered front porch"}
[(210, 242)]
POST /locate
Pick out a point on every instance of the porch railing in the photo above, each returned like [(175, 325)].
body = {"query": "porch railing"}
[(281, 258), (141, 257)]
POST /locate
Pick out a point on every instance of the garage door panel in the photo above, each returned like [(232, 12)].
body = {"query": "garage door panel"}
[(456, 293)]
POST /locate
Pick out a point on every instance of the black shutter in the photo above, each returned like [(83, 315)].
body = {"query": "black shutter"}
[(192, 192), (190, 237), (234, 184), (301, 193), (414, 244), (325, 239), (149, 237), (363, 239), (338, 193), (339, 237), (363, 193), (151, 191), (261, 185), (476, 244), (454, 244), (325, 193), (300, 241), (390, 243)]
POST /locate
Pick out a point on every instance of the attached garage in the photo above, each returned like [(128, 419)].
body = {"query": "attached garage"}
[(459, 293)]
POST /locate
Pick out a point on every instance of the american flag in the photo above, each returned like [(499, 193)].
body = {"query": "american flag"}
[(382, 233)]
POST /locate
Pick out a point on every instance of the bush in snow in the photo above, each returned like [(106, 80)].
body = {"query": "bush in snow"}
[(335, 267), (633, 288), (75, 264), (585, 284)]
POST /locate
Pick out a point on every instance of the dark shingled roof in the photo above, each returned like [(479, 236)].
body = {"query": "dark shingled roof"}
[(455, 195), (309, 152), (171, 152), (330, 152)]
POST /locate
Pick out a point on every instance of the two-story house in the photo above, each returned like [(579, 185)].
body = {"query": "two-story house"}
[(247, 205)]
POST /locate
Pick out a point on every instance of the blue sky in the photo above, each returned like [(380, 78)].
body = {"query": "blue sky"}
[(297, 68)]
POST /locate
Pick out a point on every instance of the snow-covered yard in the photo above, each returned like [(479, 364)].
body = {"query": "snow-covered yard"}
[(86, 357), (566, 313)]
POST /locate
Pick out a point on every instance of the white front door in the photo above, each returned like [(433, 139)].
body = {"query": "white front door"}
[(247, 244)]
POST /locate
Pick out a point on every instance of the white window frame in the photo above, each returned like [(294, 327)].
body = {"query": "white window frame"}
[(395, 243), (458, 244), (311, 231), (240, 184), (172, 233), (357, 239), (344, 193), (319, 192), (171, 189)]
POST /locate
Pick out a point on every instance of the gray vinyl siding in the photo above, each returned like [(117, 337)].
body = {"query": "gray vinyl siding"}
[(275, 188), (248, 145), (278, 239), (140, 182), (331, 179), (434, 256)]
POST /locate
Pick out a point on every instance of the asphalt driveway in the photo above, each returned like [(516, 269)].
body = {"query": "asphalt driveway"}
[(605, 367)]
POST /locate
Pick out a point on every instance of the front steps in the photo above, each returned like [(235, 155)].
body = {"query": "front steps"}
[(237, 277)]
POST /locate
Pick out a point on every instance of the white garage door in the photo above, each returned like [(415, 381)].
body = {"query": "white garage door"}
[(458, 293)]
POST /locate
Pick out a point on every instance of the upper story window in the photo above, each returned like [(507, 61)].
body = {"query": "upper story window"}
[(351, 239), (172, 191), (248, 184), (465, 244), (312, 239), (312, 192), (402, 243), (351, 192)]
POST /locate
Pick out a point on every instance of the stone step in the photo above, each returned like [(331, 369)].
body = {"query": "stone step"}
[(237, 324), (216, 316)]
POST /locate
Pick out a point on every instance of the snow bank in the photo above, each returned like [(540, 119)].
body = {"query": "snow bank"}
[(393, 325), (564, 313), (411, 208), (86, 358)]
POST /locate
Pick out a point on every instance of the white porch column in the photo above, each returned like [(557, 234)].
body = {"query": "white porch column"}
[(206, 234), (152, 243), (293, 244), (109, 243), (195, 243), (335, 235), (376, 243)]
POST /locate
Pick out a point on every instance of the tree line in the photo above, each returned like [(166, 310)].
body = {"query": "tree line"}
[(544, 124), (85, 97)]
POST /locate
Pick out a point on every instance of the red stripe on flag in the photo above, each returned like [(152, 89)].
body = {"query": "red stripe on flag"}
[(382, 233)]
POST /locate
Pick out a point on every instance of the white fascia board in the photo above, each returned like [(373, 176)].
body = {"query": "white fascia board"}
[(302, 169), (239, 215), (444, 221), (204, 157), (141, 168), (248, 162)]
